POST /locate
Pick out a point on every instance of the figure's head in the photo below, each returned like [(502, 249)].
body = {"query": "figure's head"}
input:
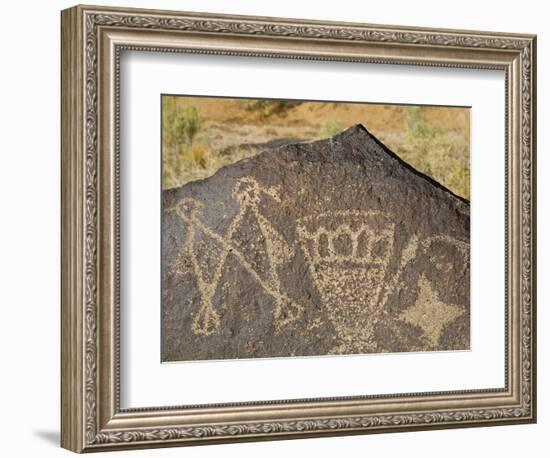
[(188, 207), (247, 191)]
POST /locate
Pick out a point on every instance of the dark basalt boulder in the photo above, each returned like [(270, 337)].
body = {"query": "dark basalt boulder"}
[(330, 247)]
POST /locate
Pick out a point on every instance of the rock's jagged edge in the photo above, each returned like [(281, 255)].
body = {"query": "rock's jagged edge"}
[(287, 194), (355, 131)]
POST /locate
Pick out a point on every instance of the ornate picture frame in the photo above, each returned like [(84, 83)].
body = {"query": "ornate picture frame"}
[(93, 39)]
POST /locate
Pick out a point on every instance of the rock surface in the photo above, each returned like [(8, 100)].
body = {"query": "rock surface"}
[(330, 247)]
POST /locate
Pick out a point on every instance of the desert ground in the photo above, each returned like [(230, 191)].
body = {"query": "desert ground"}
[(202, 134)]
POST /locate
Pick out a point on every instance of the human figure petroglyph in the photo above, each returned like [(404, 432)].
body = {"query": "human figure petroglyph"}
[(247, 192), (206, 321)]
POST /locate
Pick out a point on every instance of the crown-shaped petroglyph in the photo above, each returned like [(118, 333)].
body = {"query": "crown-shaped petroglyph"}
[(351, 241), (348, 253)]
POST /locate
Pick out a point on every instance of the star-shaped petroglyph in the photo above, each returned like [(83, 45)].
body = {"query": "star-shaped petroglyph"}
[(429, 312)]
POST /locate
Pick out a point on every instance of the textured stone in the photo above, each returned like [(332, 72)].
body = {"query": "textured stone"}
[(330, 247)]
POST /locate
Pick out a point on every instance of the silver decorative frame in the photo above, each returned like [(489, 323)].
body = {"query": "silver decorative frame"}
[(92, 39)]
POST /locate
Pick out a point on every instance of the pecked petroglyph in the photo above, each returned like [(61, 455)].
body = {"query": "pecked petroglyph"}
[(348, 263), (247, 192), (429, 312), (353, 281), (333, 247)]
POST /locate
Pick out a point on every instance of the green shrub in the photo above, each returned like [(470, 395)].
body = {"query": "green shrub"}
[(268, 108), (431, 149), (418, 127), (330, 128), (180, 126)]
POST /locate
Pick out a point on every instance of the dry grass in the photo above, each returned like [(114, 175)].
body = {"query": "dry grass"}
[(441, 153), (434, 140)]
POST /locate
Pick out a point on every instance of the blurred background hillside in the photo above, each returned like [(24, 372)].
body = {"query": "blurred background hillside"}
[(203, 134)]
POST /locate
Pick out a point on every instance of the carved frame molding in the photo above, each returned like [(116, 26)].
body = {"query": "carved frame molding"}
[(92, 39)]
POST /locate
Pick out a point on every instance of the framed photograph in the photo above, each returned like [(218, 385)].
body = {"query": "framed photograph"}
[(278, 228)]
